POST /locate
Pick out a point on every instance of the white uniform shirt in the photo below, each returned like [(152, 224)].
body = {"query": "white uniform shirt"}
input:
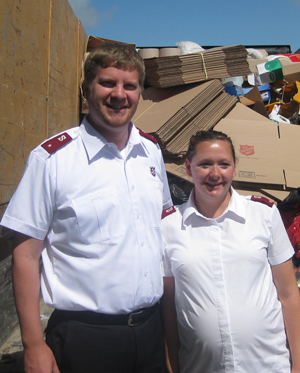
[(229, 316), (99, 216)]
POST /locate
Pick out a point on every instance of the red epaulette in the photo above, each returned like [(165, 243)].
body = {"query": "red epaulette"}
[(56, 142), (149, 137), (262, 200), (168, 211)]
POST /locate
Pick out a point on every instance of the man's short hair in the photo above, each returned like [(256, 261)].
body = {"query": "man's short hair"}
[(113, 54)]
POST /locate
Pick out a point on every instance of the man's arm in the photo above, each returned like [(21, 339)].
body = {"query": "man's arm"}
[(288, 294), (38, 357), (169, 318)]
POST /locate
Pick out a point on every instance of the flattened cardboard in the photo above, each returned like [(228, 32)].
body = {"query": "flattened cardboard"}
[(258, 105), (205, 120), (253, 62), (242, 112), (220, 62), (158, 105), (173, 115)]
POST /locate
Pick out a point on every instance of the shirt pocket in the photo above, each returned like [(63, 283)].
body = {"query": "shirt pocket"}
[(100, 216)]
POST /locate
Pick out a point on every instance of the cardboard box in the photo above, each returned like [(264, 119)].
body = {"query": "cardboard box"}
[(174, 114), (269, 72), (267, 153), (292, 72)]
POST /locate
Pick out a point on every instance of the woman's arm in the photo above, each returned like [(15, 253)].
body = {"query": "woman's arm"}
[(170, 324), (288, 294)]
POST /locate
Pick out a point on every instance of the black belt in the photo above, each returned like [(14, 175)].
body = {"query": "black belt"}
[(89, 317)]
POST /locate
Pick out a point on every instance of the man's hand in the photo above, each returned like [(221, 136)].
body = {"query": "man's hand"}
[(39, 359)]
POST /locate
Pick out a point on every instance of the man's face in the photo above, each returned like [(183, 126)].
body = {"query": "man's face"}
[(113, 98)]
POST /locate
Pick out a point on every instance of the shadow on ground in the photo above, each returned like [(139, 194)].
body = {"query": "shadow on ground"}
[(10, 363)]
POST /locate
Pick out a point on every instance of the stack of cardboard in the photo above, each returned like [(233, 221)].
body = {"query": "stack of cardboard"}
[(172, 115), (214, 63)]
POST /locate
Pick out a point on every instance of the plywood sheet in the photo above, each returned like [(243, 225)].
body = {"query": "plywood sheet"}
[(42, 47), (64, 76), (23, 89)]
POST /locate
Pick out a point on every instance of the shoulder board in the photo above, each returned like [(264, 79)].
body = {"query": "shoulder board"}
[(149, 137), (168, 211), (56, 142), (262, 200)]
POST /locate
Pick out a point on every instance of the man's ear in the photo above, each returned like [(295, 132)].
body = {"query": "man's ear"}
[(188, 167), (85, 90)]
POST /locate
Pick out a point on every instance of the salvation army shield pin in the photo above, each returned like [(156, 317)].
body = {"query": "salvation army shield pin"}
[(152, 170)]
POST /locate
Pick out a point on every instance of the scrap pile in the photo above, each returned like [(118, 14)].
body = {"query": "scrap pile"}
[(251, 98)]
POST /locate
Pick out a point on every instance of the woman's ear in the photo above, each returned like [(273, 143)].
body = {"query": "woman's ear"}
[(188, 167)]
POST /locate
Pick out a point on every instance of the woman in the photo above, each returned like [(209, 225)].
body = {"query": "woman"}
[(230, 288)]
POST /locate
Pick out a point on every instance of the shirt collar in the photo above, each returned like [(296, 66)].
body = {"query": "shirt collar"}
[(94, 142), (235, 210), (136, 139)]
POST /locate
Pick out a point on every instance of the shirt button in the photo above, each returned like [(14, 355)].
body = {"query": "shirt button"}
[(146, 274), (142, 244), (132, 187)]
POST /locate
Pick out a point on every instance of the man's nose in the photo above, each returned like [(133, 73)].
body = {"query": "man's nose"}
[(118, 92)]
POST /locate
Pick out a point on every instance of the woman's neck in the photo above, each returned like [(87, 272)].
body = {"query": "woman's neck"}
[(210, 208)]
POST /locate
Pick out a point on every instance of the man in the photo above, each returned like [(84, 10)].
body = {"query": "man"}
[(90, 203)]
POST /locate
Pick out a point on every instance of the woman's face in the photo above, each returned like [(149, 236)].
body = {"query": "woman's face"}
[(212, 169)]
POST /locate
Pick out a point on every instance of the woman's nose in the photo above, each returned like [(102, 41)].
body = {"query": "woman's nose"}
[(214, 172)]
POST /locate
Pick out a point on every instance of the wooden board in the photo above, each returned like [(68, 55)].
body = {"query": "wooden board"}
[(23, 89), (42, 47)]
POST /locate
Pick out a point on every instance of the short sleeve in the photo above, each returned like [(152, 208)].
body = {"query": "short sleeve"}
[(31, 208), (280, 247)]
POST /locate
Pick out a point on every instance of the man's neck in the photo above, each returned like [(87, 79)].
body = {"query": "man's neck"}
[(117, 135)]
